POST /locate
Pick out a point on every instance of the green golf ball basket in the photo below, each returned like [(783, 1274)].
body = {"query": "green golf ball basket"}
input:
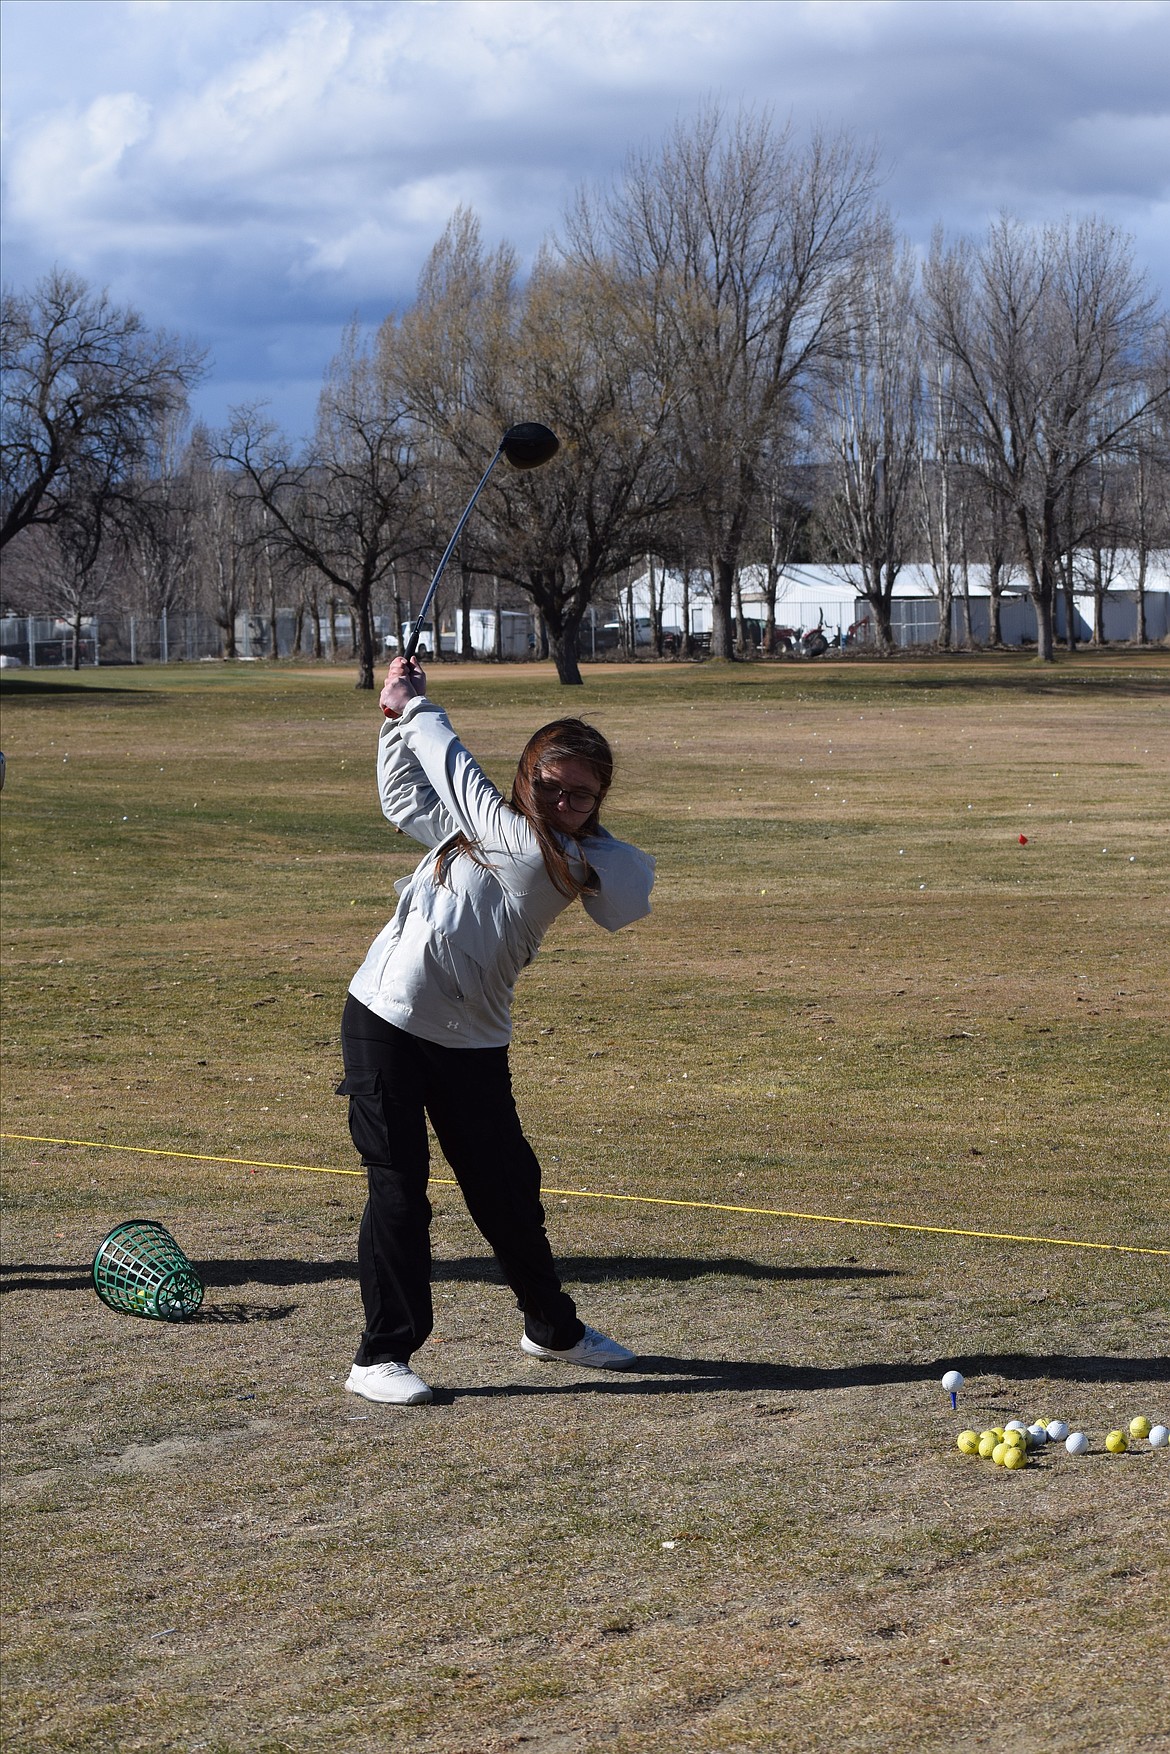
[(141, 1270)]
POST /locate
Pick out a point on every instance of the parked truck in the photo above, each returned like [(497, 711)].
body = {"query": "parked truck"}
[(426, 639)]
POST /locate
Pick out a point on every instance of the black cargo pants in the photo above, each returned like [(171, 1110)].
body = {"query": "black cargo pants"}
[(394, 1081)]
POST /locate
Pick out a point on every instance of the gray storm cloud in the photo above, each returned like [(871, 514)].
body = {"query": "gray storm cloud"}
[(256, 173)]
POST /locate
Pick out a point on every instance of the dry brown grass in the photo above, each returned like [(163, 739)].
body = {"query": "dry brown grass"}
[(857, 997)]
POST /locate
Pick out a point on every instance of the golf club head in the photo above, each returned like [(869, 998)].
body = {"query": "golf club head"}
[(529, 445)]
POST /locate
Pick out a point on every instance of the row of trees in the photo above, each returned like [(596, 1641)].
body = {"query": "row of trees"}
[(739, 355)]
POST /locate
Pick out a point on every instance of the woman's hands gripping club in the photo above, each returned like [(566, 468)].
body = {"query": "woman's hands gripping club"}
[(405, 681)]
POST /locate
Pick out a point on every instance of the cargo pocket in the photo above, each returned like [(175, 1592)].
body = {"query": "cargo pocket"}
[(367, 1117)]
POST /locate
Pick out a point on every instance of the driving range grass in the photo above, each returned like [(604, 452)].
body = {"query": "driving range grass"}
[(859, 996)]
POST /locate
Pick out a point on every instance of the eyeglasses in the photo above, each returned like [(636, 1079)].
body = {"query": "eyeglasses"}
[(549, 792)]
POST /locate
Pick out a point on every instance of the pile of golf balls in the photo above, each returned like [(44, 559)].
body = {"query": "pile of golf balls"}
[(1010, 1445)]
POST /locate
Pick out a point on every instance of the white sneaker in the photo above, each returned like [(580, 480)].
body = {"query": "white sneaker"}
[(394, 1383), (594, 1349)]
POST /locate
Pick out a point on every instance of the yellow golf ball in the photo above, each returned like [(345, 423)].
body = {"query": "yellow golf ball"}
[(1116, 1442), (1016, 1439), (1139, 1427), (987, 1443), (1015, 1456), (968, 1442), (999, 1452)]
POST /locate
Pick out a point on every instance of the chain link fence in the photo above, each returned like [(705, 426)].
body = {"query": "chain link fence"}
[(187, 636)]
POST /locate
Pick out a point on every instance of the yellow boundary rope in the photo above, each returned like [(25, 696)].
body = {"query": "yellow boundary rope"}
[(1063, 1242)]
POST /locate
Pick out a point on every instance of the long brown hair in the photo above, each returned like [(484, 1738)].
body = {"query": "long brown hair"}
[(563, 740)]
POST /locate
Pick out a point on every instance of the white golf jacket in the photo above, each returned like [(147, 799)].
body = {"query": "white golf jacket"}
[(445, 966)]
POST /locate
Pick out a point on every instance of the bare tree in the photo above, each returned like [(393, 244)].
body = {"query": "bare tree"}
[(680, 542), (945, 490), (475, 354), (993, 539), (1047, 330), (740, 241), (221, 517), (158, 529), (1146, 494), (347, 506), (86, 387), (64, 570), (595, 510), (867, 405), (1092, 558), (783, 523)]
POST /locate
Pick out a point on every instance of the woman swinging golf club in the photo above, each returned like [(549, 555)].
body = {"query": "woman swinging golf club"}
[(428, 1018)]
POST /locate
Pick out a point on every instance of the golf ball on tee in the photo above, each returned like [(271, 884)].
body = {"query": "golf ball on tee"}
[(1076, 1443), (1159, 1436), (952, 1381)]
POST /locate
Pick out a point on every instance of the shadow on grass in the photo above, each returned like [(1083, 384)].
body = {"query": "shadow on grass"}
[(42, 1276), (683, 1376), (582, 1270), (236, 1314), (46, 1276), (672, 1375), (15, 685), (1043, 680), (471, 1269)]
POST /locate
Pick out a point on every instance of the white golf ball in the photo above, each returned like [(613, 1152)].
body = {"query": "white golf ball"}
[(1057, 1430), (1038, 1433), (1076, 1443), (952, 1381), (1159, 1436), (1016, 1425)]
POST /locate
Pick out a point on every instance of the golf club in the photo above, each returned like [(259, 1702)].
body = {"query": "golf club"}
[(526, 446)]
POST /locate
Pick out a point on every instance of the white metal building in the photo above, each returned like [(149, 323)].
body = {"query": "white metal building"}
[(828, 597)]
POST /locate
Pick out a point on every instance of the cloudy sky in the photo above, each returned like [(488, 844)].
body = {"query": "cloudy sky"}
[(257, 172)]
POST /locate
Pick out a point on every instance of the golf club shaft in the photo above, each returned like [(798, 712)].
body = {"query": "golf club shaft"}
[(420, 618)]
